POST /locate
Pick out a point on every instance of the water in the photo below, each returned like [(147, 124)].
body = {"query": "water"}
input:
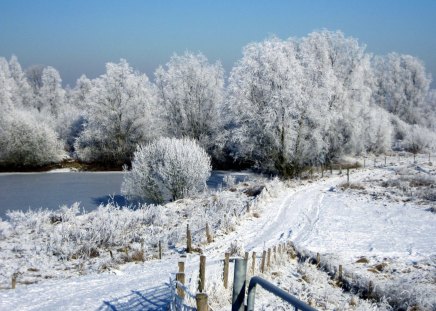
[(21, 191)]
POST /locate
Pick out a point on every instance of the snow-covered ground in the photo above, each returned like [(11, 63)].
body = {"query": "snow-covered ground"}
[(375, 232)]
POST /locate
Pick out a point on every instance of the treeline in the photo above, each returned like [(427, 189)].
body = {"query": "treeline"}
[(286, 104)]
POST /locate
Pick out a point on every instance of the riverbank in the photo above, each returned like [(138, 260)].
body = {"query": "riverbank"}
[(66, 165)]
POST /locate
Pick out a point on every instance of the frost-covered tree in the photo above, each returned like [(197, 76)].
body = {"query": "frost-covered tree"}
[(34, 77), (266, 104), (167, 169), (26, 141), (72, 118), (349, 81), (51, 95), (7, 87), (428, 111), (297, 102), (119, 114), (190, 91), (23, 95), (401, 85)]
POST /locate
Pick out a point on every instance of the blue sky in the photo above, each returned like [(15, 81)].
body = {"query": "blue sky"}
[(81, 36)]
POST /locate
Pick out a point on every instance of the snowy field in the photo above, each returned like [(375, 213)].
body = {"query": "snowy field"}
[(378, 229)]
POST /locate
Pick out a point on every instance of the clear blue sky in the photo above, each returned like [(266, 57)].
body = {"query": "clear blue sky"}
[(81, 36)]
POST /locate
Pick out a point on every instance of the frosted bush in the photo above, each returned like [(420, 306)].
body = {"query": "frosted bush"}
[(26, 141), (167, 169)]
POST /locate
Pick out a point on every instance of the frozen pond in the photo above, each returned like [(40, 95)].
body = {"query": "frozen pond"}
[(21, 191)]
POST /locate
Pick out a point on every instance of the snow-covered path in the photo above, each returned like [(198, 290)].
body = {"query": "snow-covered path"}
[(312, 216)]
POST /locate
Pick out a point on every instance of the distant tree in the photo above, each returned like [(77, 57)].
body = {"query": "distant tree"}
[(119, 114), (7, 87), (191, 91), (34, 77), (51, 95), (401, 85), (72, 118), (167, 169), (428, 111), (23, 95)]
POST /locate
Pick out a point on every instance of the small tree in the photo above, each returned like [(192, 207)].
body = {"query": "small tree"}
[(167, 168)]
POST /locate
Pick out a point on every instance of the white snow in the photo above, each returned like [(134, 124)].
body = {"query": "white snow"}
[(342, 225)]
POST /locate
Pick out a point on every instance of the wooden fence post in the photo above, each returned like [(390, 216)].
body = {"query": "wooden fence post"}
[(331, 169), (385, 160), (14, 281), (209, 236), (370, 288), (181, 265), (253, 262), (268, 264), (262, 264), (246, 256), (340, 273), (180, 277), (348, 176), (202, 274), (160, 249), (275, 253), (226, 270), (188, 240), (201, 301), (318, 260)]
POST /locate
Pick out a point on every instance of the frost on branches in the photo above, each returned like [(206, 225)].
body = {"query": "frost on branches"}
[(167, 169), (118, 115), (191, 92)]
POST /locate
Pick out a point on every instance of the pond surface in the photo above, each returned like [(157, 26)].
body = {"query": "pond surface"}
[(21, 191)]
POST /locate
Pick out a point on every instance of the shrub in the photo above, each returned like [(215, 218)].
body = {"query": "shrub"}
[(25, 141), (167, 168)]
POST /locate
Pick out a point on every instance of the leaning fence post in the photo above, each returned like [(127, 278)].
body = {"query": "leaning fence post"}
[(239, 280), (180, 278), (202, 274), (226, 270), (188, 240), (201, 301)]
